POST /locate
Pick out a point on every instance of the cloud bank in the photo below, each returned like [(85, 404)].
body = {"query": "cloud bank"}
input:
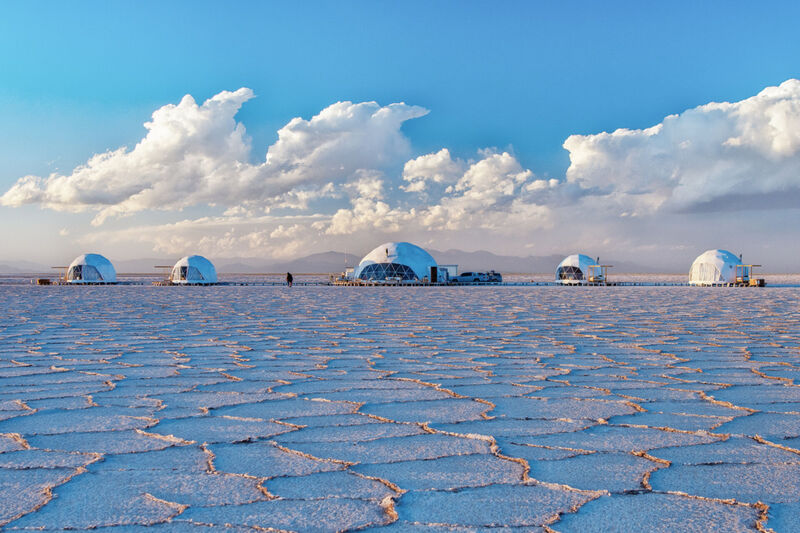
[(198, 154), (349, 173), (718, 156)]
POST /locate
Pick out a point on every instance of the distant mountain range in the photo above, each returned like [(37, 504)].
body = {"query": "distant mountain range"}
[(24, 267), (331, 262)]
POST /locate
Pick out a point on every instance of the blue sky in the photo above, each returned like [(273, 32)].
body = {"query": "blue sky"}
[(515, 76)]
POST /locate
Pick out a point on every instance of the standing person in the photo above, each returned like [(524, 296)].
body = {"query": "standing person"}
[(289, 279)]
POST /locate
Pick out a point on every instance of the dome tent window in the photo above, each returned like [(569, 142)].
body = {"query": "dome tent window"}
[(569, 273), (380, 271), (187, 273), (85, 273)]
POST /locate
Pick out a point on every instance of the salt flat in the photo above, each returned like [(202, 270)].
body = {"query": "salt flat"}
[(335, 408)]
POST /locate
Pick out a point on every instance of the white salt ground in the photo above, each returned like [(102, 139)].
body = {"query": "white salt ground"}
[(444, 409)]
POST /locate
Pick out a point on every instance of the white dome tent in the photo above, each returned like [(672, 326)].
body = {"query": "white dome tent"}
[(91, 268), (574, 269), (397, 260), (714, 267), (193, 270)]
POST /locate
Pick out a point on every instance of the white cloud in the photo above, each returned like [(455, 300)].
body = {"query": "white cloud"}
[(716, 156), (366, 184), (296, 199), (370, 215), (198, 154), (334, 180), (490, 194), (189, 155), (488, 187), (438, 167), (542, 185), (340, 140)]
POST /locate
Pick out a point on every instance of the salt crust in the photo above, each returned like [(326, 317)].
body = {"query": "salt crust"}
[(626, 409)]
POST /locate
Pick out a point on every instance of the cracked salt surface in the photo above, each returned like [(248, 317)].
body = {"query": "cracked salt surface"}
[(452, 409)]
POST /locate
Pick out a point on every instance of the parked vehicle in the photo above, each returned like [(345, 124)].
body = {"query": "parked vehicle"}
[(478, 277), (495, 277)]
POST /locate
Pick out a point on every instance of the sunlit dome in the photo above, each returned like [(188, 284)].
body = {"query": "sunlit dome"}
[(714, 266), (193, 270), (91, 268), (574, 269), (395, 260)]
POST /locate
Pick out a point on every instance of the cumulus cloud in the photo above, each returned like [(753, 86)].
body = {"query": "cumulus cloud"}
[(188, 155), (490, 185), (716, 156), (438, 167), (198, 154), (494, 192), (335, 179), (340, 140)]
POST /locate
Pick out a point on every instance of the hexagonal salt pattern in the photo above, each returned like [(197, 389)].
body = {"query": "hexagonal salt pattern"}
[(407, 409)]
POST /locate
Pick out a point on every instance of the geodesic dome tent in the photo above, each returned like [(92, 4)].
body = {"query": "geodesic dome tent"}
[(714, 266), (91, 268), (574, 269), (193, 270), (401, 260)]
